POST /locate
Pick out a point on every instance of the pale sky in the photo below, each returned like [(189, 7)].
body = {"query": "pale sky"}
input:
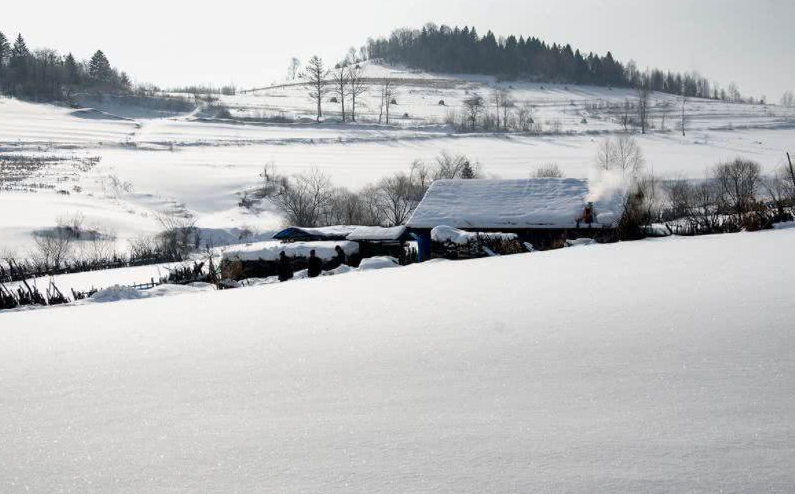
[(250, 43)]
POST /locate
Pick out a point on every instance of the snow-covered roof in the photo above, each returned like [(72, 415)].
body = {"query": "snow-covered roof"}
[(377, 233), (523, 203), (338, 232), (269, 251), (446, 233)]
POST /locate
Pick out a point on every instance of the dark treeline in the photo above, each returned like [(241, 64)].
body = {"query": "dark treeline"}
[(445, 49), (44, 74)]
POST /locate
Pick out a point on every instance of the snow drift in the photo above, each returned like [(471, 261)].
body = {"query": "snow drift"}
[(656, 366)]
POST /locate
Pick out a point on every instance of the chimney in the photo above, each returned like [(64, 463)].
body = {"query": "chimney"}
[(587, 214)]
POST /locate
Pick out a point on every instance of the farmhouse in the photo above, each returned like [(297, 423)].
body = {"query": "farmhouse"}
[(544, 212)]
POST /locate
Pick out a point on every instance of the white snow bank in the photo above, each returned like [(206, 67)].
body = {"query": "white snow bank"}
[(581, 377), (377, 233), (445, 233), (92, 113), (381, 262), (116, 293), (269, 251), (784, 225), (342, 269), (591, 384)]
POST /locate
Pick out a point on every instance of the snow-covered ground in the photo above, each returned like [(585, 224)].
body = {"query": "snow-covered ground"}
[(654, 366), (201, 166)]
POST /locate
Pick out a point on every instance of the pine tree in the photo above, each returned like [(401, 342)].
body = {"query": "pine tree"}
[(72, 70), (20, 55), (99, 68), (5, 51), (18, 63), (124, 81)]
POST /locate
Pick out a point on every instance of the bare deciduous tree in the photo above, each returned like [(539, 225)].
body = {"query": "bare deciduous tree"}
[(305, 198), (524, 117), (474, 108), (549, 170), (179, 236), (450, 167), (626, 118), (622, 154), (292, 68), (52, 248), (388, 90), (356, 88), (664, 109), (779, 188), (316, 74), (340, 80), (396, 198), (504, 102), (683, 119), (738, 181), (643, 106)]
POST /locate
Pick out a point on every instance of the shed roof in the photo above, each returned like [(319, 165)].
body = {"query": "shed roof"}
[(269, 251), (339, 232), (379, 234), (509, 204)]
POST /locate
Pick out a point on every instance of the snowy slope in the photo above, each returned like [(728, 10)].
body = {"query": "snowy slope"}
[(202, 166), (656, 366)]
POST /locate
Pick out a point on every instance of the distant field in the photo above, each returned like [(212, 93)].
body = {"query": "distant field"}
[(200, 166)]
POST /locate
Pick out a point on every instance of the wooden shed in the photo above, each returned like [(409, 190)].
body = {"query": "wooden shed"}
[(544, 212), (376, 241)]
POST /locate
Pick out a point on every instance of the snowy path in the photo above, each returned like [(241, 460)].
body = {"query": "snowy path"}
[(657, 366)]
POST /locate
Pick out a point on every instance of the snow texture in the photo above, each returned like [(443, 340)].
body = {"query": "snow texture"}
[(445, 233), (118, 293), (377, 233), (269, 251), (655, 366), (380, 262), (490, 203)]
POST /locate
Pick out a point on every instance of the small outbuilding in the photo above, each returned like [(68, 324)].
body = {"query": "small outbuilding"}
[(542, 212), (260, 260), (376, 241)]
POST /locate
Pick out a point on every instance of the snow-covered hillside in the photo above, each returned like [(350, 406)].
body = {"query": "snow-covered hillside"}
[(653, 366), (201, 166)]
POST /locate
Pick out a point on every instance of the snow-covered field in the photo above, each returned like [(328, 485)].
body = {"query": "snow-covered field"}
[(653, 366), (200, 166)]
